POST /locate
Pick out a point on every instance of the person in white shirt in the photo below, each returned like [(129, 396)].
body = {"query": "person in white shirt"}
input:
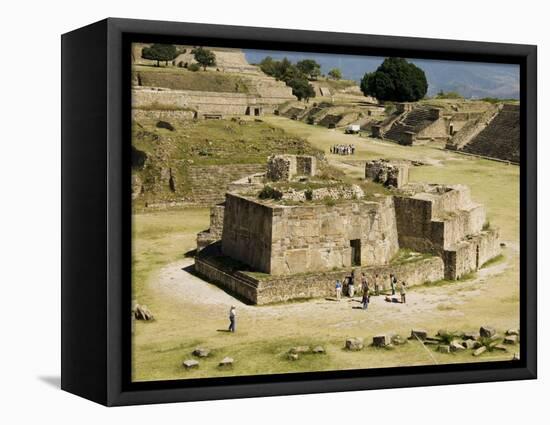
[(232, 318)]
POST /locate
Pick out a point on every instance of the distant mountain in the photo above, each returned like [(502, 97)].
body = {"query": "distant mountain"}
[(470, 79)]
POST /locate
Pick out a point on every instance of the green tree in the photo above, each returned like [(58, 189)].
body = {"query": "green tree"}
[(160, 52), (204, 57), (309, 68), (335, 74), (301, 88), (395, 80)]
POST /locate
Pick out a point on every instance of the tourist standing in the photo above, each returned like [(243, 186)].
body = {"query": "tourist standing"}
[(365, 300), (376, 285), (351, 286), (403, 292), (338, 289), (393, 283), (232, 318)]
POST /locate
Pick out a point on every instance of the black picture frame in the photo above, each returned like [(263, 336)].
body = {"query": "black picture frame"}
[(96, 209)]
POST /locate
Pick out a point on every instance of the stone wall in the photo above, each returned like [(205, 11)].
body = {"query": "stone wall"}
[(209, 183), (270, 289), (318, 237), (388, 173), (204, 102), (435, 220), (470, 254), (162, 115), (247, 232), (214, 233), (285, 167)]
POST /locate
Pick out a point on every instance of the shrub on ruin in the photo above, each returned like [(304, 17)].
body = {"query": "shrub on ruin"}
[(204, 57), (269, 192), (194, 67), (301, 88), (448, 95), (395, 80), (160, 52)]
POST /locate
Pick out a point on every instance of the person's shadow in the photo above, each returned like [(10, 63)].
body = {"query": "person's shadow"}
[(54, 381)]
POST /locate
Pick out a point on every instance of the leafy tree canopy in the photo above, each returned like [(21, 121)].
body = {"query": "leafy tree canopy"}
[(160, 52), (301, 88), (309, 68), (293, 75), (395, 80), (335, 74), (204, 57)]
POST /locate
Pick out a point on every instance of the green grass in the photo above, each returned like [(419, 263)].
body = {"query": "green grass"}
[(495, 260), (182, 79), (160, 238)]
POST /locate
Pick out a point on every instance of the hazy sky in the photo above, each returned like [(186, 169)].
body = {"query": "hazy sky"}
[(470, 79)]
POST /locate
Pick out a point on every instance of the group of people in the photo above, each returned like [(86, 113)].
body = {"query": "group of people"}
[(349, 283), (342, 149)]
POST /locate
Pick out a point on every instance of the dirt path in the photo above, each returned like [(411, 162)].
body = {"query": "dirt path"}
[(178, 282)]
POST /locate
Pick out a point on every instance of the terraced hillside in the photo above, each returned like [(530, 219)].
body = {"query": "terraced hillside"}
[(194, 160), (501, 138)]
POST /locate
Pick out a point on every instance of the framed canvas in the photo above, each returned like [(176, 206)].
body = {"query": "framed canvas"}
[(252, 211)]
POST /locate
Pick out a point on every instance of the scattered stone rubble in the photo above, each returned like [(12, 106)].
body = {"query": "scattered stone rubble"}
[(141, 312)]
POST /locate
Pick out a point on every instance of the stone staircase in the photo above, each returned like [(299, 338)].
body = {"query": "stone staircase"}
[(209, 183), (414, 121), (501, 138)]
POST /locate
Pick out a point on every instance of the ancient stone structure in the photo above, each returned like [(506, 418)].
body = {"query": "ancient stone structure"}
[(443, 220), (394, 174), (286, 167), (496, 134), (268, 250), (279, 239)]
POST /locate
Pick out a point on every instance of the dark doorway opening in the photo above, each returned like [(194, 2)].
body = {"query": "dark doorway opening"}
[(257, 112), (355, 245)]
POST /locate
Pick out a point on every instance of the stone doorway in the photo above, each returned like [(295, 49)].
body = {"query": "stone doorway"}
[(355, 245), (257, 112)]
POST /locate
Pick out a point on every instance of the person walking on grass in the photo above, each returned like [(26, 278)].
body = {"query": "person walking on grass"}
[(338, 289), (403, 292), (232, 318)]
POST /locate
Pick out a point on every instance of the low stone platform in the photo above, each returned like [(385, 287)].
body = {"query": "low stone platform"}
[(260, 288)]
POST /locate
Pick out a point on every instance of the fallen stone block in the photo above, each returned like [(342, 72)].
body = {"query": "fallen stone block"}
[(318, 350), (516, 356), (201, 352), (512, 332), (456, 346), (511, 339), (190, 364), (470, 344), (354, 344), (480, 351), (380, 340), (500, 347), (495, 337), (470, 335), (293, 356), (398, 340), (419, 333), (226, 362), (444, 349), (301, 349), (141, 312), (431, 342), (487, 331)]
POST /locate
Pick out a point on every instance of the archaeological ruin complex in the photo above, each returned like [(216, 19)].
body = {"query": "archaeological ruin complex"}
[(287, 234)]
